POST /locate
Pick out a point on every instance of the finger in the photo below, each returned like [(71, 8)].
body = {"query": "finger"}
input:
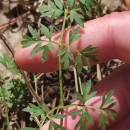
[(110, 34), (119, 81), (124, 124)]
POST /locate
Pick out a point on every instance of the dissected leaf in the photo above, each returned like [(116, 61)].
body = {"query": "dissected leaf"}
[(36, 49), (75, 113), (73, 36), (59, 4), (51, 47), (29, 128), (89, 118), (45, 31), (74, 16), (57, 126), (106, 99), (33, 32), (70, 3), (102, 122), (78, 63), (51, 10), (58, 116), (45, 53), (81, 123)]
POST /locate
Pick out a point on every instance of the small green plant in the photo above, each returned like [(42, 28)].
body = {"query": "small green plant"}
[(72, 12)]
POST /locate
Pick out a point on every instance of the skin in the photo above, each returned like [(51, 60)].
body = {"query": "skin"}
[(111, 35)]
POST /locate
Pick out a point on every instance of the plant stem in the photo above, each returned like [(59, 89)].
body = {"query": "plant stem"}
[(59, 63), (59, 60), (6, 108)]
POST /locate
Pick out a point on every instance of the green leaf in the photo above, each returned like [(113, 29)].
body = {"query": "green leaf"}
[(36, 49), (73, 36), (79, 97), (58, 116), (45, 54), (27, 43), (83, 1), (33, 110), (111, 113), (65, 60), (89, 118), (88, 49), (86, 91), (102, 122), (50, 126), (57, 126), (9, 64), (67, 56), (81, 123), (51, 4), (51, 10), (75, 113), (33, 32), (45, 31), (62, 52), (29, 128), (77, 17), (106, 99), (42, 105), (51, 47), (70, 3), (58, 4), (78, 63)]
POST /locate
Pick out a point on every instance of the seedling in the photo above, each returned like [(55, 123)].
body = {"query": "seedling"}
[(72, 12)]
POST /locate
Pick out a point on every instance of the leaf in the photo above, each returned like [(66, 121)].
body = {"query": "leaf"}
[(27, 43), (89, 118), (51, 47), (70, 3), (86, 92), (67, 56), (42, 105), (9, 64), (58, 116), (29, 128), (79, 97), (36, 49), (57, 126), (73, 36), (45, 31), (33, 110), (88, 49), (65, 60), (106, 99), (111, 113), (81, 123), (45, 54), (50, 126), (58, 4), (50, 10), (75, 113), (78, 63), (33, 32), (77, 17), (102, 122), (62, 52), (83, 1)]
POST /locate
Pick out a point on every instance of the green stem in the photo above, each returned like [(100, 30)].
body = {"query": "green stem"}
[(6, 108), (59, 59)]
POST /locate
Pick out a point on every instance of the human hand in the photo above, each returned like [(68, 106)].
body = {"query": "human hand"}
[(111, 36)]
